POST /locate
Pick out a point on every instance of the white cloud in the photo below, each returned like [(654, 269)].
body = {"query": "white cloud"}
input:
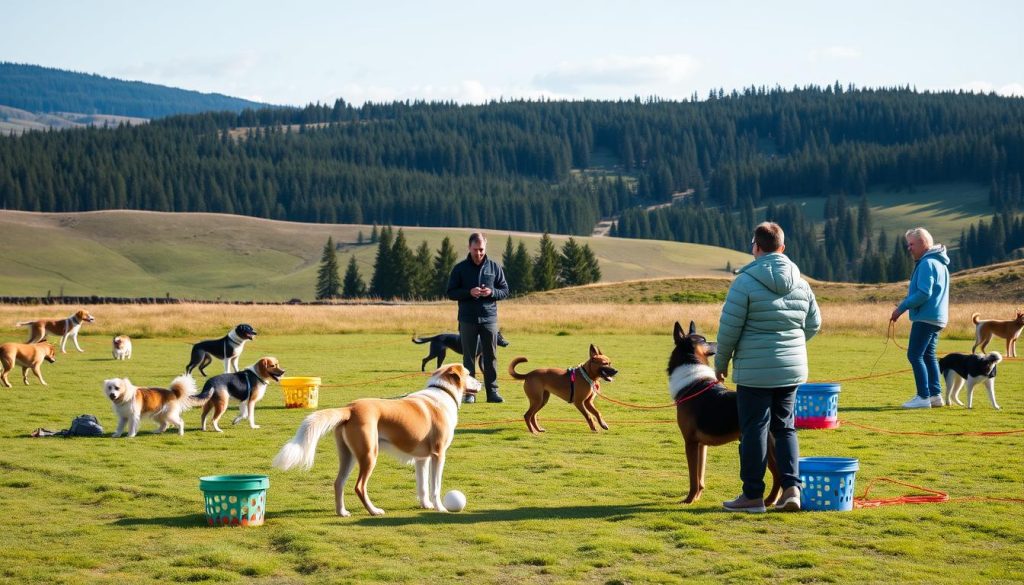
[(626, 74), (194, 72), (835, 52)]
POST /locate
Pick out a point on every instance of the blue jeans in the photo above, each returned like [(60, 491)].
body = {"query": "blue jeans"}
[(764, 410), (924, 338)]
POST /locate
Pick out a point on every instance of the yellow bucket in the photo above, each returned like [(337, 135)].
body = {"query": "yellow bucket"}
[(300, 391)]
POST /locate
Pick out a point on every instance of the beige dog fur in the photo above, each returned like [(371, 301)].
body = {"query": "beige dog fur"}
[(1009, 329), (27, 355)]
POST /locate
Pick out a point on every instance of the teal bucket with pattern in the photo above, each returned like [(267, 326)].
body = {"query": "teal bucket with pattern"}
[(235, 500)]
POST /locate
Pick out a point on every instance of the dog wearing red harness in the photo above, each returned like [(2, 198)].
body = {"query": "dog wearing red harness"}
[(577, 386), (705, 410)]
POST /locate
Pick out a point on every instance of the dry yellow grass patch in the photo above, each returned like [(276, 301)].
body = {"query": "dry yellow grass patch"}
[(192, 320)]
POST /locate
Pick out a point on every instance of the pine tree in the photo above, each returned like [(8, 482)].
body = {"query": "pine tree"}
[(443, 264), (328, 283), (545, 267), (374, 235), (403, 266), (523, 267), (593, 268), (354, 286), (382, 284), (571, 268), (423, 273)]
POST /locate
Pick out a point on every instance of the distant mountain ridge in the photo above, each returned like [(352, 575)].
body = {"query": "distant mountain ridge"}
[(47, 90)]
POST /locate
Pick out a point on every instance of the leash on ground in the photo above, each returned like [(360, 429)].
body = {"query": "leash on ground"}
[(931, 433), (930, 496)]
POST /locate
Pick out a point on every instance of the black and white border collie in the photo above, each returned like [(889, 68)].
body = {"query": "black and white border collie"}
[(959, 369), (227, 348)]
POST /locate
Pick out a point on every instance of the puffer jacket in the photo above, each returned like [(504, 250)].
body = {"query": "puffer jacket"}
[(928, 293), (769, 314)]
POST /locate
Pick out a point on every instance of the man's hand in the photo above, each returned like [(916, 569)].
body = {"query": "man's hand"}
[(895, 314), (722, 375), (485, 291), (476, 292)]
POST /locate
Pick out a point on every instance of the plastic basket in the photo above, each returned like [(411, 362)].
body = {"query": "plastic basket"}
[(300, 391), (235, 500), (828, 483), (817, 406)]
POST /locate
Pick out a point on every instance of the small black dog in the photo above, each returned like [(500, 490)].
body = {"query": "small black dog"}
[(442, 342), (968, 369), (227, 348)]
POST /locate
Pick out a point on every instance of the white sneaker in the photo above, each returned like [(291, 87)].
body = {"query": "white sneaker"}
[(918, 402), (937, 402)]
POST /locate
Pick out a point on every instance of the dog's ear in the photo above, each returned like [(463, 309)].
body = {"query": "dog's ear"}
[(677, 333), (455, 374), (594, 351), (693, 328)]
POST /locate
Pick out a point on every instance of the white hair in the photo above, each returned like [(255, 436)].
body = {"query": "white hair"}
[(921, 234)]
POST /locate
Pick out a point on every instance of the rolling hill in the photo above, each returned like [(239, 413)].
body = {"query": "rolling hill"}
[(44, 90), (209, 256)]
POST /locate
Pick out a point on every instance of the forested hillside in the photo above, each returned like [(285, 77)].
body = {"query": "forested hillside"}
[(46, 90), (512, 165)]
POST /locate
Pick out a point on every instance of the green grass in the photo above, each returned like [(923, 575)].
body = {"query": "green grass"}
[(944, 209), (207, 256), (569, 506)]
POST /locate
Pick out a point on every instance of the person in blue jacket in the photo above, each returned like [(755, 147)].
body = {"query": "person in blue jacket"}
[(770, 312), (478, 283), (928, 302)]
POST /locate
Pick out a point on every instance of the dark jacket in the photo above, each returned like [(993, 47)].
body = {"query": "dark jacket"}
[(465, 276)]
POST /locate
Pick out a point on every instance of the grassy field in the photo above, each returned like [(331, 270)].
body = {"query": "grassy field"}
[(567, 507), (943, 208), (208, 257)]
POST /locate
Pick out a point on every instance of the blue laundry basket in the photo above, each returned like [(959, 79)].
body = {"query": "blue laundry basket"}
[(828, 483), (817, 406)]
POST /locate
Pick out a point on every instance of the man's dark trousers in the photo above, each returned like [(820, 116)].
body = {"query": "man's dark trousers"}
[(488, 333), (763, 411)]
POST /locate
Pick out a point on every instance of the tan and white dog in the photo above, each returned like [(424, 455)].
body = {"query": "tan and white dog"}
[(417, 428), (29, 356), (64, 327), (163, 405), (122, 347), (1010, 329)]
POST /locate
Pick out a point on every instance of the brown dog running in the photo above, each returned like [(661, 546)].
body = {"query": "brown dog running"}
[(64, 327), (28, 356), (1009, 329), (417, 428), (577, 386), (705, 411)]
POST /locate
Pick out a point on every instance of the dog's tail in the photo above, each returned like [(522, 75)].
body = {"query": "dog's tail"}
[(183, 386), (974, 318), (420, 340), (995, 357), (201, 398), (302, 448), (512, 368)]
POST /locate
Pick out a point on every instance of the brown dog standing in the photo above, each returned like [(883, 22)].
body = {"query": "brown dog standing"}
[(26, 355), (1009, 329), (705, 411), (577, 386), (64, 327)]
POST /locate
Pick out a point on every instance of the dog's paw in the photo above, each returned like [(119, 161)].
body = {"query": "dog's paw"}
[(254, 426), (344, 513), (375, 511)]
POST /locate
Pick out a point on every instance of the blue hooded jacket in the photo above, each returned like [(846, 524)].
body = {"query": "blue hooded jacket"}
[(928, 294)]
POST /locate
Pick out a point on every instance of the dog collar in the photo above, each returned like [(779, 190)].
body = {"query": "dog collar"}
[(447, 391), (258, 377), (583, 372)]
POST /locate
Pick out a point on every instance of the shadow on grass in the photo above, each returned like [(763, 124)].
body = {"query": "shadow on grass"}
[(610, 512), (183, 521), (885, 408)]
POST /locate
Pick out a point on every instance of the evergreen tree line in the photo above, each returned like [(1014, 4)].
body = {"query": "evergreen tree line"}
[(402, 273), (44, 89), (849, 252), (1000, 240), (508, 164)]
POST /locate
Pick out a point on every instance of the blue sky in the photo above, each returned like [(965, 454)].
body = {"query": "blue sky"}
[(305, 51)]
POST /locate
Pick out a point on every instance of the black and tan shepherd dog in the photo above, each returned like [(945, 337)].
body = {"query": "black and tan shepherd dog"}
[(705, 409)]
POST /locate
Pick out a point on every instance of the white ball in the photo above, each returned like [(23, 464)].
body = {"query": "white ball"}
[(455, 501)]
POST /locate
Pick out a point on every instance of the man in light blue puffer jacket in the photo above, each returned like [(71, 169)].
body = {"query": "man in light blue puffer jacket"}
[(769, 314)]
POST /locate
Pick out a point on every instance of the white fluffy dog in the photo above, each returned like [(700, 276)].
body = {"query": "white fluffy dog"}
[(122, 347), (163, 405)]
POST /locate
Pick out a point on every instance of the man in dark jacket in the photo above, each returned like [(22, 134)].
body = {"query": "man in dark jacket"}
[(478, 283)]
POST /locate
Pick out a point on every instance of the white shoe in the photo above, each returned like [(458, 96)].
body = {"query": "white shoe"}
[(918, 402), (937, 402)]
